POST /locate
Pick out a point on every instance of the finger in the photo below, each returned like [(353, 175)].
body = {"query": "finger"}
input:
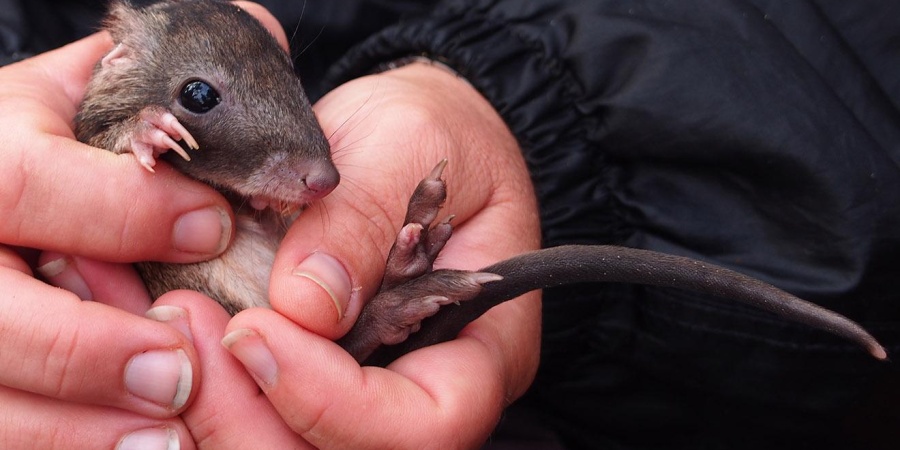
[(114, 284), (332, 402), (34, 421), (11, 259), (58, 346), (75, 199), (228, 411), (65, 70)]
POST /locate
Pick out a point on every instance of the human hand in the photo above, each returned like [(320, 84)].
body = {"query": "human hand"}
[(84, 374), (79, 374), (496, 347), (387, 132)]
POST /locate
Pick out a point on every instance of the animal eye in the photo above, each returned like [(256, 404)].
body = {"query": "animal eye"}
[(199, 97)]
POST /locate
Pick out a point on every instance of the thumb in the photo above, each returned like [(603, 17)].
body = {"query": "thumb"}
[(228, 411), (330, 261)]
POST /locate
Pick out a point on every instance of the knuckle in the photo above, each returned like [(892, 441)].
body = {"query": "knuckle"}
[(14, 190), (62, 378)]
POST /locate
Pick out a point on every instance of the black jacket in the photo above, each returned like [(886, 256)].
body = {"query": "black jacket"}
[(760, 135)]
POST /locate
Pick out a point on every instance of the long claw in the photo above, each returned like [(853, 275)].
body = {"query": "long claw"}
[(144, 153), (482, 278), (176, 148), (438, 170), (171, 121), (148, 164)]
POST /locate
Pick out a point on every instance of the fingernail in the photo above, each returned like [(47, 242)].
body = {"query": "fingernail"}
[(204, 231), (173, 316), (161, 376), (62, 272), (150, 439), (330, 275), (251, 350)]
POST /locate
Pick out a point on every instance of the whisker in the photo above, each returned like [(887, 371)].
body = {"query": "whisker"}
[(354, 113), (297, 27), (349, 146), (313, 41)]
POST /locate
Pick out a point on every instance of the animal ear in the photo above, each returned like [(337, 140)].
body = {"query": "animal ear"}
[(124, 22), (119, 56), (121, 19)]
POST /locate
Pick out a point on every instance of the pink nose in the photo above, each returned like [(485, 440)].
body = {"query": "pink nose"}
[(321, 180)]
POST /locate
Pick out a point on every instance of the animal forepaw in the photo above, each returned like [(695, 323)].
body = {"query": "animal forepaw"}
[(412, 291), (154, 132)]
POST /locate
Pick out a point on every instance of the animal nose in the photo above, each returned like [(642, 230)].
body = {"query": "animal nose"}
[(321, 180)]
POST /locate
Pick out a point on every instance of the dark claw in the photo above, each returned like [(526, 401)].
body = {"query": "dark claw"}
[(411, 291), (418, 244), (437, 237), (428, 197), (406, 259), (392, 315)]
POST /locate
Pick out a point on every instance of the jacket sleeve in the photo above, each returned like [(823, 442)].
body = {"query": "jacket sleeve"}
[(754, 136), (759, 135)]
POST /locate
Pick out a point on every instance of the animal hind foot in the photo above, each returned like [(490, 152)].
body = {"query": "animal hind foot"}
[(411, 290), (419, 243)]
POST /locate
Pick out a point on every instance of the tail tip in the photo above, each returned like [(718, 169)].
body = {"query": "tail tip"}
[(878, 352)]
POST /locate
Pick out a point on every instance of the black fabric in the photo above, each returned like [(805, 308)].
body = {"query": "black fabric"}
[(29, 27), (760, 135), (319, 32)]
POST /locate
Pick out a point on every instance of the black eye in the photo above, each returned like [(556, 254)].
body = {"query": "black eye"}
[(199, 97)]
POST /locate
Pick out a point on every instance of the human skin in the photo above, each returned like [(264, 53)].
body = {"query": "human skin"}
[(68, 377), (411, 117), (387, 131)]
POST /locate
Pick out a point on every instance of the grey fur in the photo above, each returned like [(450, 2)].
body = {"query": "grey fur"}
[(261, 140)]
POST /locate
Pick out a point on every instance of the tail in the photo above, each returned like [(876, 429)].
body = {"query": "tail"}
[(611, 264)]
